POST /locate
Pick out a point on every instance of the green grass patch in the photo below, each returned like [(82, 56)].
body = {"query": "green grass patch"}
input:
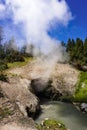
[(51, 125), (81, 88), (20, 64)]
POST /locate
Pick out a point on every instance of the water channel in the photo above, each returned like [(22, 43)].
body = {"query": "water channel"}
[(65, 112)]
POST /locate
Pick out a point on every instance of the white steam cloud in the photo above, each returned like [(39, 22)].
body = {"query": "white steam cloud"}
[(37, 17)]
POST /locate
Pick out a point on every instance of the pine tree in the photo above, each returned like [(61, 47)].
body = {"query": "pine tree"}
[(70, 48), (85, 52)]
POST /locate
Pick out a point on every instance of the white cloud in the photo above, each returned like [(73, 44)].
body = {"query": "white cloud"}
[(2, 7), (2, 10)]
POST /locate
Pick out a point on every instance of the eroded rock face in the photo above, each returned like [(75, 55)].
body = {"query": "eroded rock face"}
[(14, 126), (17, 104), (65, 78), (23, 124), (18, 90), (11, 118)]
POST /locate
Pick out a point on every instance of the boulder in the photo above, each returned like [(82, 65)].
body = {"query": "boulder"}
[(83, 107), (18, 90)]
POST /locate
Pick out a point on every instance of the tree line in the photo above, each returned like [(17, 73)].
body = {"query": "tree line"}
[(9, 53), (77, 50)]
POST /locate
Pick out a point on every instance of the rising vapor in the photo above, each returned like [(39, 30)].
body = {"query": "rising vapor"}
[(36, 17)]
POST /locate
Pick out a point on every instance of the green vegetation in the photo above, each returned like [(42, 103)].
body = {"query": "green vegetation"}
[(81, 88), (9, 52), (11, 56), (4, 112), (51, 125), (19, 64), (77, 50), (3, 67), (3, 77)]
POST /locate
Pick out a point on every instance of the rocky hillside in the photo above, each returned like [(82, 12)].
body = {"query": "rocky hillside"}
[(18, 100), (63, 76)]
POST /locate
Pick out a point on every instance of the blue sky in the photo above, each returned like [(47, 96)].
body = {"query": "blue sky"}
[(76, 27)]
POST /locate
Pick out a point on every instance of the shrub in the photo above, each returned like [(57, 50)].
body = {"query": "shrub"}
[(3, 66), (3, 77)]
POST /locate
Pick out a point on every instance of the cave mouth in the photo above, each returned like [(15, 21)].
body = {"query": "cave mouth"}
[(44, 89)]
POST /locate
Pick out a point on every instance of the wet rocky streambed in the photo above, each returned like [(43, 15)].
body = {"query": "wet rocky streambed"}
[(65, 112)]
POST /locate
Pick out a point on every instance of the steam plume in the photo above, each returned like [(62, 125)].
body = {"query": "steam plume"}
[(37, 17)]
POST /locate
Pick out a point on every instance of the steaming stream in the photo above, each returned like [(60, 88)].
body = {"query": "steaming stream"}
[(65, 112)]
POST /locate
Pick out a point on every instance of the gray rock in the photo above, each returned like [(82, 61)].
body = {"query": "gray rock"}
[(84, 107)]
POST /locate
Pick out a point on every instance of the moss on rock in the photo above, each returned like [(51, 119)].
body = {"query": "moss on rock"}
[(51, 125)]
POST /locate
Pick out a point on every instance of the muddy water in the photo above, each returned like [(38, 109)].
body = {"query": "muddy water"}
[(65, 112)]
